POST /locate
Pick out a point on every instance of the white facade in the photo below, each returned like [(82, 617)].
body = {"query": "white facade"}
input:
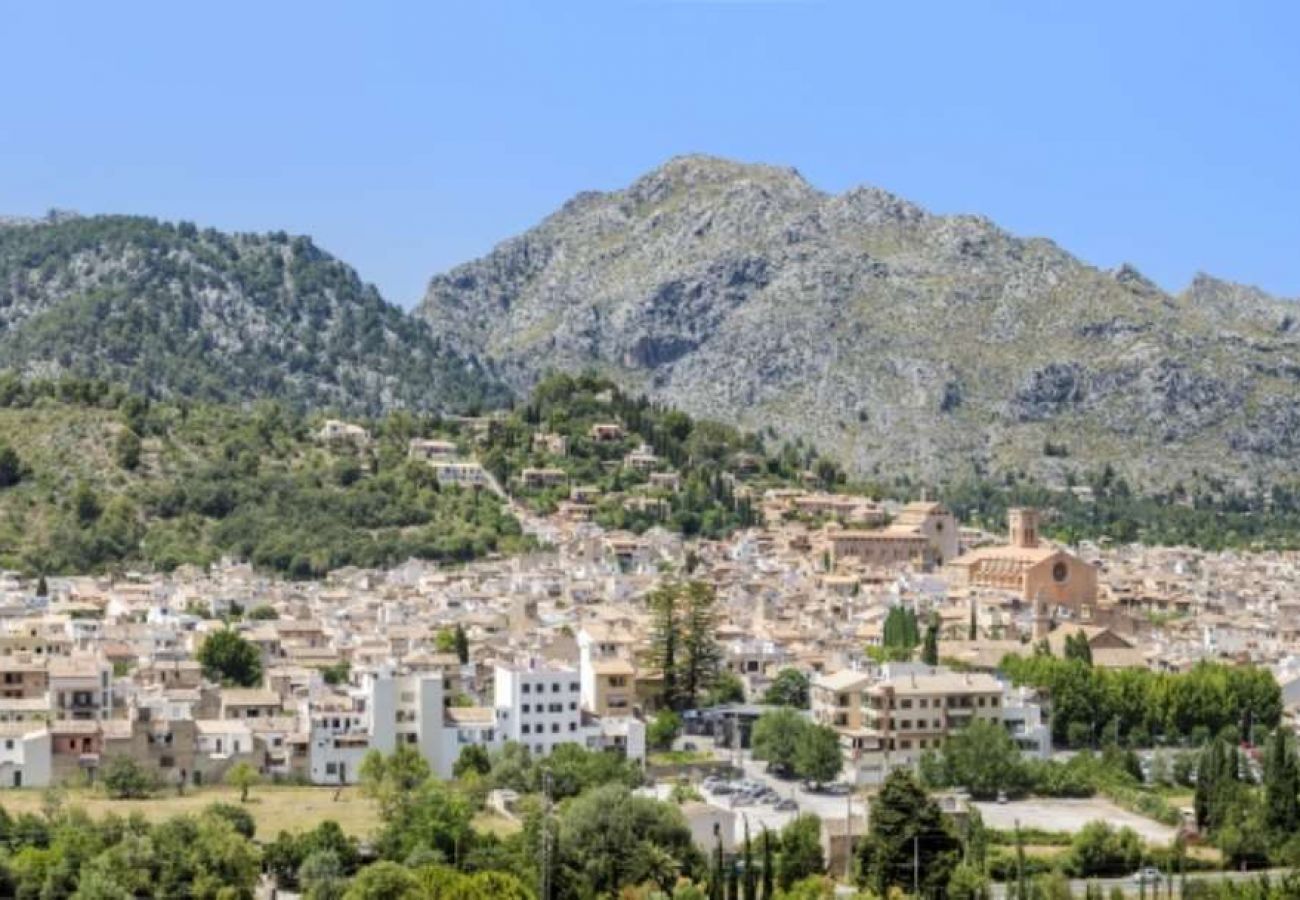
[(391, 711), (25, 757), (338, 742), (539, 706)]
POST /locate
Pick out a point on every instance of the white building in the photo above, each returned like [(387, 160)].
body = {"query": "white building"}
[(539, 705), (25, 755), (465, 474)]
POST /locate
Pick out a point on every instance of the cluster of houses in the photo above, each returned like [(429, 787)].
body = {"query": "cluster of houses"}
[(559, 639)]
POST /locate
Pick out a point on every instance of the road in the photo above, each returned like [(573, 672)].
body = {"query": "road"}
[(1079, 886)]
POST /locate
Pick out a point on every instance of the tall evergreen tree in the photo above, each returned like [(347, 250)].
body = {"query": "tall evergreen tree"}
[(930, 649), (462, 644), (1281, 784), (699, 640), (666, 632), (749, 886), (768, 883)]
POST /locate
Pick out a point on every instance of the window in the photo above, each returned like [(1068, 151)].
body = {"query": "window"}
[(923, 703), (527, 689), (906, 704), (573, 685), (331, 768), (555, 688), (904, 745), (525, 729), (573, 705), (905, 725), (573, 726), (539, 749), (555, 728), (526, 708)]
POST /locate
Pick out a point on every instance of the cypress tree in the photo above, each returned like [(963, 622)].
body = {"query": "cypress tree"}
[(767, 887), (930, 651), (749, 887), (1281, 784)]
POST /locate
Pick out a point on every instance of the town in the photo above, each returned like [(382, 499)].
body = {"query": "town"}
[(886, 624)]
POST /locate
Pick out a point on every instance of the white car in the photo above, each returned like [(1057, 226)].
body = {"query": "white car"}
[(1147, 875)]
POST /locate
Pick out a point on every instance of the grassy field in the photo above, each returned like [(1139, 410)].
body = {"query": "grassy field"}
[(275, 809)]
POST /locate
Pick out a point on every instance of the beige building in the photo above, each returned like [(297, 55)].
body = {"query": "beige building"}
[(924, 535), (890, 722)]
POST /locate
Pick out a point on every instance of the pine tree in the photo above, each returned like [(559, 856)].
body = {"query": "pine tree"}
[(699, 640), (664, 640)]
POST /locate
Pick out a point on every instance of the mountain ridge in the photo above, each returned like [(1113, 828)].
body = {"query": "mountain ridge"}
[(880, 331), (174, 311)]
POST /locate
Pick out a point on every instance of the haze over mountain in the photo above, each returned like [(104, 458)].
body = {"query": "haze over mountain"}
[(889, 336), (171, 310)]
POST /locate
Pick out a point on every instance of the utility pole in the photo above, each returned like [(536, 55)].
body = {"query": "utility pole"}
[(916, 865), (544, 891), (848, 836)]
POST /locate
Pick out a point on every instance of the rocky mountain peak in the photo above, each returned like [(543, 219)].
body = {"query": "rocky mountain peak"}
[(1130, 277), (884, 334)]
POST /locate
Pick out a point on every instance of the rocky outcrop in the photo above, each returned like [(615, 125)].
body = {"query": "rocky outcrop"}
[(893, 337)]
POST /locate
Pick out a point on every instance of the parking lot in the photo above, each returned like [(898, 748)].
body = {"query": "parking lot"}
[(771, 808)]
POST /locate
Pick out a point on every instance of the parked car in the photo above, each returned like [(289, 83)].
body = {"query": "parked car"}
[(1147, 875), (786, 805)]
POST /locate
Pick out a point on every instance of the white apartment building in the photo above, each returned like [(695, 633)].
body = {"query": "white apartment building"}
[(389, 711), (25, 755), (539, 705), (338, 740)]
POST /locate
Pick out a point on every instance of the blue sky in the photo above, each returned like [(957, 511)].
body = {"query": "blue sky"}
[(409, 137)]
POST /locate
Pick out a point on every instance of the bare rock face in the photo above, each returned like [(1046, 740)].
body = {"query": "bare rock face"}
[(170, 310), (895, 338)]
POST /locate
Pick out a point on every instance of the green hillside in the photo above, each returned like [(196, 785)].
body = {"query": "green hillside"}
[(95, 478)]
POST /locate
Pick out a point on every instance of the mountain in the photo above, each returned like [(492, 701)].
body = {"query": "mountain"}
[(171, 310), (890, 337)]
